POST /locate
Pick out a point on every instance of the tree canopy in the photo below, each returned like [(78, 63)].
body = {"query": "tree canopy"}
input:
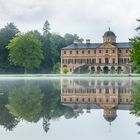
[(25, 50), (135, 54), (33, 51)]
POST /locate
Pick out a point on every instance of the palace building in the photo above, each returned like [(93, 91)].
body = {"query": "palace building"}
[(107, 57)]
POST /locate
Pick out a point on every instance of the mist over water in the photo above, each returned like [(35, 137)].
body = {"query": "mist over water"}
[(69, 108)]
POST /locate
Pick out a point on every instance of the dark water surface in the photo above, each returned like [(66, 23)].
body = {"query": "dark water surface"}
[(70, 109)]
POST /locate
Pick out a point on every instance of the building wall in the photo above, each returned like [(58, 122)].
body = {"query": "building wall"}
[(106, 55)]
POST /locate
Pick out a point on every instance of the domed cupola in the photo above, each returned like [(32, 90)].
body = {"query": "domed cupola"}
[(109, 37), (110, 114)]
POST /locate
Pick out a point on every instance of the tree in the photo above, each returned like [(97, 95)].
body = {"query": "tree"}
[(25, 50), (138, 28), (135, 54), (69, 38), (6, 34), (46, 28), (56, 68)]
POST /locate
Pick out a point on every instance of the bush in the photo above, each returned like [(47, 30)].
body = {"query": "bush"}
[(65, 70)]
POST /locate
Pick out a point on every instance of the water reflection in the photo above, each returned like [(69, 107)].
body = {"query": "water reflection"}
[(109, 95), (47, 100), (31, 101)]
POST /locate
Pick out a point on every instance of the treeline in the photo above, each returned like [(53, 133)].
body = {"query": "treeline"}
[(31, 52)]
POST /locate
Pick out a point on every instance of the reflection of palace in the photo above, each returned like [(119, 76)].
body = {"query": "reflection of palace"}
[(97, 94)]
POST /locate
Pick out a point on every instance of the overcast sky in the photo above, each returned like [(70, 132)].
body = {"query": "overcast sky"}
[(87, 18)]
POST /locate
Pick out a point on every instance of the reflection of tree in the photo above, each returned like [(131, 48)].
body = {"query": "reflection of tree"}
[(26, 102), (31, 102), (136, 100), (52, 108), (6, 119), (46, 124)]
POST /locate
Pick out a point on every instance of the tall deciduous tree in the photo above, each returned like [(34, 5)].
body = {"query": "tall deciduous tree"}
[(135, 54), (25, 50)]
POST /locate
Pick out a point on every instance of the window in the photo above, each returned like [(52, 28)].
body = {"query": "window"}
[(106, 61), (107, 100), (113, 90), (94, 51), (120, 51), (106, 51), (100, 60), (126, 51), (113, 60), (64, 52), (114, 100), (107, 90), (70, 52), (76, 52), (82, 51), (99, 51), (113, 51), (88, 51)]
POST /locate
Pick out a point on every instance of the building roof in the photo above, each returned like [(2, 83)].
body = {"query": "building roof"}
[(96, 45), (109, 33)]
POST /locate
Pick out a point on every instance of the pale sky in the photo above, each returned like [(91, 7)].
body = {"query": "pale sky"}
[(87, 18)]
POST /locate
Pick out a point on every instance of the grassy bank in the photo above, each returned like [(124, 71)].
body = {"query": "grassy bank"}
[(69, 75)]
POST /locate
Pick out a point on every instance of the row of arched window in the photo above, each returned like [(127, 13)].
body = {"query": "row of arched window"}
[(94, 51)]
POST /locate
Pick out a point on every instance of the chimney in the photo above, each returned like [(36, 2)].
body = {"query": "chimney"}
[(76, 42), (88, 41)]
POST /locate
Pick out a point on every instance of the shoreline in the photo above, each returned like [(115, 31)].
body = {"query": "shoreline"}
[(68, 75)]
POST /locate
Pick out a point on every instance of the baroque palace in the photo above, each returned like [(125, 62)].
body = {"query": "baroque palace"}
[(107, 57)]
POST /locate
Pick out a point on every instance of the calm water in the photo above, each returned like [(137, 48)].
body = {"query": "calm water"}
[(70, 108)]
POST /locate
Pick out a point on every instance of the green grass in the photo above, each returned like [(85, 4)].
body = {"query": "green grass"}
[(69, 75)]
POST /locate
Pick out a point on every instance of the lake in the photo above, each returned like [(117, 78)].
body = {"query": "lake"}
[(70, 108)]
